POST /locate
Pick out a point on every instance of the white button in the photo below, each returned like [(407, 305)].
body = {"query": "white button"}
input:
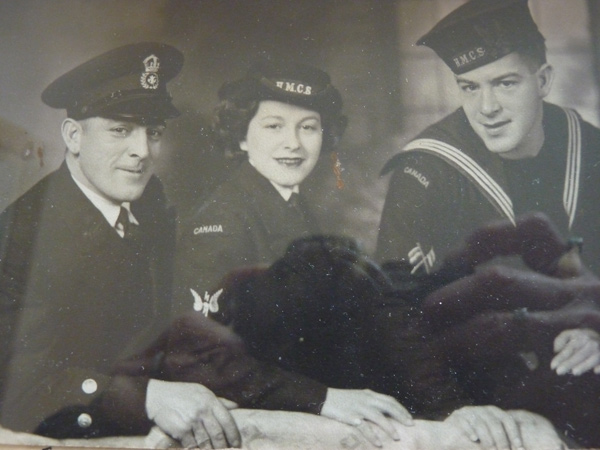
[(89, 386), (84, 420)]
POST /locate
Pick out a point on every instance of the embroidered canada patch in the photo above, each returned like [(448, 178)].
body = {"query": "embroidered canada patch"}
[(418, 175), (208, 229)]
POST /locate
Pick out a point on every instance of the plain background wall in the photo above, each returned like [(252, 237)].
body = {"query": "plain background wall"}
[(391, 88)]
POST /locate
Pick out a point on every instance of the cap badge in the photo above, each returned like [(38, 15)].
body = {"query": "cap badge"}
[(149, 78), (297, 88)]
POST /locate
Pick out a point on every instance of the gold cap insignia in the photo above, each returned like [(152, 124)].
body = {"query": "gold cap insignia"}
[(149, 78)]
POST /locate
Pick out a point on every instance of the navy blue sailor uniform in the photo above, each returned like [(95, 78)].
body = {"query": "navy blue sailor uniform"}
[(245, 223), (446, 184)]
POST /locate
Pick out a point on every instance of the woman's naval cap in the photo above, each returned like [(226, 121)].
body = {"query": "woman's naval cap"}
[(287, 82)]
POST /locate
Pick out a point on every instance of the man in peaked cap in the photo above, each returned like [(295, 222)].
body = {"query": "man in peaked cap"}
[(85, 267), (504, 153)]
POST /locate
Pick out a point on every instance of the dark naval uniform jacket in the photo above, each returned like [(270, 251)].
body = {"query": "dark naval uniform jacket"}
[(245, 223), (446, 184), (75, 299)]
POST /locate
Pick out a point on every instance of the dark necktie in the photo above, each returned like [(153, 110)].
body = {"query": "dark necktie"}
[(294, 205), (123, 222), (293, 200)]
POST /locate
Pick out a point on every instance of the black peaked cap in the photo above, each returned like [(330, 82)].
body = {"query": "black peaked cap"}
[(128, 81)]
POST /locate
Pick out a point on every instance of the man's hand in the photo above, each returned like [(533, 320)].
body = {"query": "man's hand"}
[(577, 351), (489, 425), (365, 408), (537, 431), (192, 414)]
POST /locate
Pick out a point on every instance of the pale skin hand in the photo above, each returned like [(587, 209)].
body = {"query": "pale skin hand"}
[(192, 414), (577, 351), (366, 410), (493, 427), (538, 429)]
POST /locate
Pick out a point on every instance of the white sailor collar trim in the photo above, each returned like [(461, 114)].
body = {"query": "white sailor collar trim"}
[(491, 189)]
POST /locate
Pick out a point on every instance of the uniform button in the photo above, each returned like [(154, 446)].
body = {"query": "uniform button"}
[(84, 420), (89, 386)]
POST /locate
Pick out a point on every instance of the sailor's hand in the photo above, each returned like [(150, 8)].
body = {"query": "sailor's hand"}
[(368, 411)]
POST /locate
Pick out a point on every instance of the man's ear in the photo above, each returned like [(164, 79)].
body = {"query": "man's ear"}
[(545, 76), (71, 132)]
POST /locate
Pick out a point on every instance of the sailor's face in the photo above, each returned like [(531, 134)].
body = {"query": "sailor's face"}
[(503, 103), (283, 142), (114, 158)]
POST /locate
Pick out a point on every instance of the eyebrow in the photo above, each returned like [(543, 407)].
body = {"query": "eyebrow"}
[(274, 116), (494, 80)]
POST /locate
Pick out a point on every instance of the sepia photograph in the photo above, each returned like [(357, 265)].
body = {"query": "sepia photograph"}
[(300, 224)]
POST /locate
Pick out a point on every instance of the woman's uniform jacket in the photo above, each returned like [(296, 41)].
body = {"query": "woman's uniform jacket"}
[(245, 223)]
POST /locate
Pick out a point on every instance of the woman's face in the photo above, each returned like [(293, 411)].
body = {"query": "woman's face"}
[(283, 142)]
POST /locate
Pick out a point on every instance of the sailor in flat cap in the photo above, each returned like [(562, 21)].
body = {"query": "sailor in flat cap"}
[(504, 153), (85, 266)]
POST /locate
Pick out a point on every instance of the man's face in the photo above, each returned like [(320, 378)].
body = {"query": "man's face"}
[(113, 158), (283, 142), (503, 103)]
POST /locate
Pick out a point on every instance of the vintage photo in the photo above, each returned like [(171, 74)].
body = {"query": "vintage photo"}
[(307, 224)]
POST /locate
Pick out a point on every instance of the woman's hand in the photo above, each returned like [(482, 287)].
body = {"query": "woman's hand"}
[(577, 351), (366, 410)]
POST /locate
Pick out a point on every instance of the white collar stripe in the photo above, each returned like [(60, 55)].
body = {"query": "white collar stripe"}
[(573, 171), (471, 169), (476, 171)]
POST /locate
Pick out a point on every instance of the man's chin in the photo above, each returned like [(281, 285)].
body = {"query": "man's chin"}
[(128, 196), (498, 147)]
